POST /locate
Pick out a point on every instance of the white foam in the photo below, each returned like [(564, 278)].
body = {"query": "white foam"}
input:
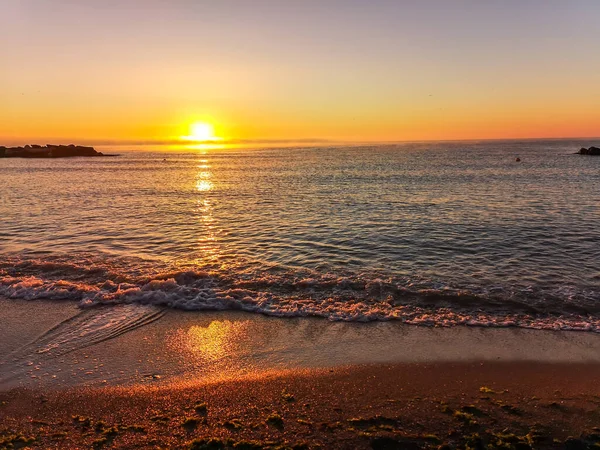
[(338, 299)]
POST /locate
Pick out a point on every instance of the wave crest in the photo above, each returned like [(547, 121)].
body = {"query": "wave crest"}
[(359, 298)]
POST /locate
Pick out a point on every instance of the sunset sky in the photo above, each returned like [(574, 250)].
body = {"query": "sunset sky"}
[(257, 71)]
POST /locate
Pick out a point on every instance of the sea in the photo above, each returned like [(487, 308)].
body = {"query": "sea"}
[(436, 234)]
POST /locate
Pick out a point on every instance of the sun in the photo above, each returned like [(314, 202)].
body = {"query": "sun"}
[(201, 131)]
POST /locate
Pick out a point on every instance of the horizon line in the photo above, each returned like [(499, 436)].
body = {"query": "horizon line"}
[(224, 142)]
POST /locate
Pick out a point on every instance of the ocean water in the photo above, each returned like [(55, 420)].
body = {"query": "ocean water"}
[(443, 234)]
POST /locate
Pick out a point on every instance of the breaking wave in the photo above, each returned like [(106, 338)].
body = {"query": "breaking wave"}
[(292, 293)]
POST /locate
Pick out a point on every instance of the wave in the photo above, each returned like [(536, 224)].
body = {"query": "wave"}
[(294, 293), (88, 328)]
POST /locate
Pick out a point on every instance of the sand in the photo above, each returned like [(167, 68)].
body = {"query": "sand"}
[(374, 406), (234, 380), (216, 346)]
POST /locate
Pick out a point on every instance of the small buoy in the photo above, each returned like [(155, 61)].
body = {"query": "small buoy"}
[(518, 159)]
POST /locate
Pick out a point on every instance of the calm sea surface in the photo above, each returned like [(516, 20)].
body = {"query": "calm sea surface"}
[(427, 233)]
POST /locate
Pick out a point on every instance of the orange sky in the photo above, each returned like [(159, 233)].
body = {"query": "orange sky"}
[(264, 70)]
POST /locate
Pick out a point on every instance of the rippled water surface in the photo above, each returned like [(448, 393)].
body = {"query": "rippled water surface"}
[(428, 233)]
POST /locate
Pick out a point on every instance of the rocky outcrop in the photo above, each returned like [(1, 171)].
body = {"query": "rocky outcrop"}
[(593, 151), (48, 151)]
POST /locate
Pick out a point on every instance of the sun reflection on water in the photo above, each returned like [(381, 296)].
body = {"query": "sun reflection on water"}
[(207, 238), (203, 185), (207, 241)]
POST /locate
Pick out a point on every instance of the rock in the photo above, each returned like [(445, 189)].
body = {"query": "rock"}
[(62, 151), (592, 151), (575, 444), (388, 443), (48, 151)]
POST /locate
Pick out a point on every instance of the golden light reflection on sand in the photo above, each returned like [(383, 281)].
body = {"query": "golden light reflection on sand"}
[(217, 340)]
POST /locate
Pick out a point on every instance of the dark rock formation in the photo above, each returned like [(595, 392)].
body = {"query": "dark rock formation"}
[(49, 151), (593, 151)]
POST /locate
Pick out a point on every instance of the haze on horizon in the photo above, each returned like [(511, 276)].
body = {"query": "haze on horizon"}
[(261, 70)]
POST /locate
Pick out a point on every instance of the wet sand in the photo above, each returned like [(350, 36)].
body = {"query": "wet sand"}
[(250, 381), (64, 346), (465, 405)]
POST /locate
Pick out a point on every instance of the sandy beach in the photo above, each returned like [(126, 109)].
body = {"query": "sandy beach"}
[(235, 380), (65, 346), (463, 405)]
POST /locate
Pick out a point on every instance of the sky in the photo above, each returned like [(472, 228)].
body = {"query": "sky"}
[(298, 70)]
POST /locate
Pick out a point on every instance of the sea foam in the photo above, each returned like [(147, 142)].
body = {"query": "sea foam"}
[(292, 294)]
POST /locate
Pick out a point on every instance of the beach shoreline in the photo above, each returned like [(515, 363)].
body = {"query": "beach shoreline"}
[(244, 379), (66, 346)]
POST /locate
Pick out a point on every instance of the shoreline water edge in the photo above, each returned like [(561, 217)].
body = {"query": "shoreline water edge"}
[(231, 380)]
